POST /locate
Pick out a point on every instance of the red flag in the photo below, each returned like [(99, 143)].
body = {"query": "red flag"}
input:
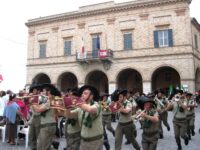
[(1, 78), (83, 49)]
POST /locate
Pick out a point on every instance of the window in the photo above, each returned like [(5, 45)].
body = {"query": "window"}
[(128, 41), (42, 50), (196, 41), (95, 42), (163, 38), (67, 47), (95, 45)]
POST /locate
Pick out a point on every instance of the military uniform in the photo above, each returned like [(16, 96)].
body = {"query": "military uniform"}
[(163, 115), (48, 128), (127, 127), (106, 121), (91, 129), (150, 133), (180, 123), (106, 117), (73, 137), (190, 113), (34, 129)]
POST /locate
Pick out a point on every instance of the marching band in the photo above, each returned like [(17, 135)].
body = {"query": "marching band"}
[(88, 116)]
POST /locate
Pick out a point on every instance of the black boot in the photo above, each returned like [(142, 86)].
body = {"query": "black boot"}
[(55, 144), (161, 136), (168, 128), (107, 145), (186, 140), (127, 142), (113, 132), (179, 147)]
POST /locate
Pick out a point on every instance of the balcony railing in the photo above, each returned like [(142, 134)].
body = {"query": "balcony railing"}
[(94, 55)]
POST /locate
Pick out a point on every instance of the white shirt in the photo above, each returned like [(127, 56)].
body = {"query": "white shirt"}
[(2, 106)]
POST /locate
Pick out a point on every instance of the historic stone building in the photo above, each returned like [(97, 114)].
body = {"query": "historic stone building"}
[(142, 45)]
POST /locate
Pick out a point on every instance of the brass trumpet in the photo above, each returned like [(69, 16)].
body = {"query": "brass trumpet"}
[(105, 106), (138, 117)]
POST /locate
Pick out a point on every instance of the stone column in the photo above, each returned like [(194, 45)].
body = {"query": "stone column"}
[(147, 87), (188, 84), (111, 88)]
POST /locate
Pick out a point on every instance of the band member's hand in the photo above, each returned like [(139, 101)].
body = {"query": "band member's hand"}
[(143, 115), (159, 110)]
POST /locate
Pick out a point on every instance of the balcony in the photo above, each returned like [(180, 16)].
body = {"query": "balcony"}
[(99, 55), (103, 56)]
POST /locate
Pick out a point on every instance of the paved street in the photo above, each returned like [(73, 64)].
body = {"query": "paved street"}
[(168, 143)]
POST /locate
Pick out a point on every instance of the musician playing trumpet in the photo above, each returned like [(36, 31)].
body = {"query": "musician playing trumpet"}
[(190, 113), (35, 119), (48, 119), (150, 124), (162, 102), (106, 118), (72, 126), (179, 107), (125, 125)]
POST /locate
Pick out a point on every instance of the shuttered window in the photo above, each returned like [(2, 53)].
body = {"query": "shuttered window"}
[(42, 50), (95, 45), (67, 47), (196, 41), (128, 41), (163, 38)]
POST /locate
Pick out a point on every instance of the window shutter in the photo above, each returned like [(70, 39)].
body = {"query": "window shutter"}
[(196, 41), (42, 50), (170, 37), (127, 41), (156, 43), (94, 44), (130, 41), (67, 48)]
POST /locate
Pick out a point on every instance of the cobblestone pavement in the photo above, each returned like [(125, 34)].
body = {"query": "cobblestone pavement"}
[(168, 143)]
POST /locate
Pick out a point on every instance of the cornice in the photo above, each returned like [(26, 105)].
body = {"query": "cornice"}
[(117, 7), (195, 23)]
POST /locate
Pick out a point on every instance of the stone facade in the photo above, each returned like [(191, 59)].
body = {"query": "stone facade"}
[(111, 21)]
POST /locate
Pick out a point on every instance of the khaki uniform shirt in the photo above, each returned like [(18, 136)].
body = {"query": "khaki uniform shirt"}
[(49, 116), (97, 127), (123, 118), (153, 126), (191, 111), (74, 128), (176, 110)]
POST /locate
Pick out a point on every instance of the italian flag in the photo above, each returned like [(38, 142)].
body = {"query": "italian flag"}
[(82, 48)]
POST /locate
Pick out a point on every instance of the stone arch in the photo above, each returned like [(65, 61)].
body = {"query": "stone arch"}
[(164, 77), (97, 79), (41, 78), (67, 80), (130, 79)]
